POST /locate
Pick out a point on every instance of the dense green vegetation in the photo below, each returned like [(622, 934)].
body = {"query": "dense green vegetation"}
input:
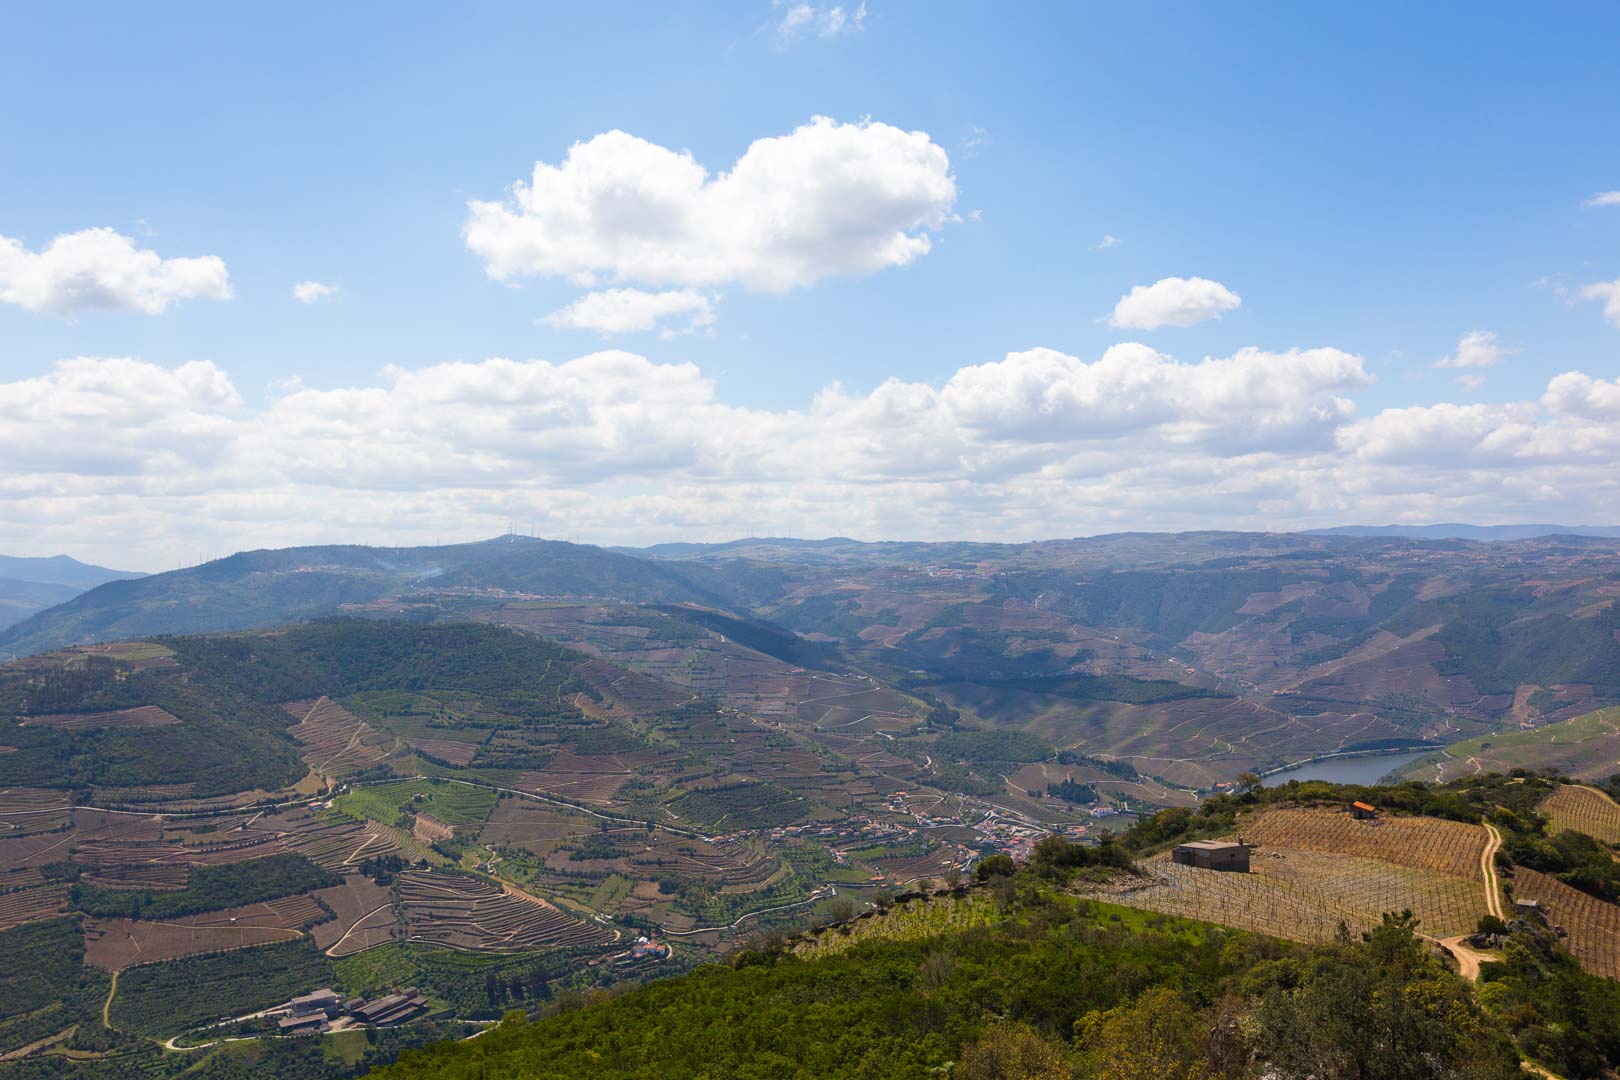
[(46, 991), (991, 747), (742, 806), (1070, 791), (1050, 987), (44, 961), (521, 675), (209, 888), (178, 995), (1560, 1015), (1122, 769), (477, 985), (1494, 638), (453, 804), (226, 740)]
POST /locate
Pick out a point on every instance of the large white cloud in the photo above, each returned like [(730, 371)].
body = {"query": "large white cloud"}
[(828, 199), (1252, 398), (1173, 301), (118, 417), (101, 268), (623, 311), (1575, 393), (131, 462)]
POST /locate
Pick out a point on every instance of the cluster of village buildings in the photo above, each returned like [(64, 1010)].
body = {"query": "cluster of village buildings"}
[(327, 1010)]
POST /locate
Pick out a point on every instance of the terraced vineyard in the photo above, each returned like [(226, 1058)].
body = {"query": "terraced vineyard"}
[(1449, 847), (144, 716), (1592, 925), (1246, 901), (336, 742), (30, 810), (365, 913), (26, 905), (1584, 809), (335, 844), (115, 944), (1445, 905), (466, 912), (161, 877), (1314, 867)]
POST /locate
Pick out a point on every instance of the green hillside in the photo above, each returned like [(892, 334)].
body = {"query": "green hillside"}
[(1035, 983)]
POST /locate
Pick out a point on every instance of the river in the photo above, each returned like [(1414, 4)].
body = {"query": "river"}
[(1362, 769)]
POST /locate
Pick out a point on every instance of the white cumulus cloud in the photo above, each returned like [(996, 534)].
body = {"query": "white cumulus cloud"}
[(309, 292), (1604, 198), (828, 199), (1173, 301), (103, 269), (1476, 349), (1609, 293), (623, 311), (117, 416), (121, 457)]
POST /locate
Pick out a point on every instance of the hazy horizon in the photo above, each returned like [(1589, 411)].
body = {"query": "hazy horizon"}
[(1542, 529)]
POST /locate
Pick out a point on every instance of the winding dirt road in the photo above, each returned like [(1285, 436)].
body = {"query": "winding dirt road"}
[(1487, 867)]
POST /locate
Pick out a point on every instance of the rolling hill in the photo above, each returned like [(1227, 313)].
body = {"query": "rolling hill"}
[(1266, 648), (29, 585), (1070, 965), (494, 818), (274, 587)]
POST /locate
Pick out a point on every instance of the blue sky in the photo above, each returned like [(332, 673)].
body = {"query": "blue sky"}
[(1380, 180)]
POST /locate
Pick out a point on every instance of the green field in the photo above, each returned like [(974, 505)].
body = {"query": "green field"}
[(453, 804), (385, 967)]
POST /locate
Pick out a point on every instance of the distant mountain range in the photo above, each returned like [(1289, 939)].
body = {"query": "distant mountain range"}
[(28, 585), (1453, 531), (60, 570), (272, 587), (1191, 657)]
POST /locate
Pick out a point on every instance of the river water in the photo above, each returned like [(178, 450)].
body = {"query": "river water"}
[(1367, 769)]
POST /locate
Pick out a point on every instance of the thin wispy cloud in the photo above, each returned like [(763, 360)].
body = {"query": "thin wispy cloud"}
[(624, 311), (312, 292), (818, 20)]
